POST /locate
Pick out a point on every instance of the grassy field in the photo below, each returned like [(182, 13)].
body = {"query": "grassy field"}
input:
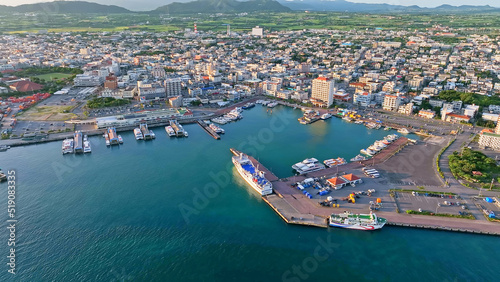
[(49, 113), (51, 76), (488, 23)]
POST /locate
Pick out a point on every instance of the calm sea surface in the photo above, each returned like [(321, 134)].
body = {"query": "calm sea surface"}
[(176, 210)]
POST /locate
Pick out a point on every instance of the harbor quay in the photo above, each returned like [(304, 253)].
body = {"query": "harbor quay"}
[(294, 207)]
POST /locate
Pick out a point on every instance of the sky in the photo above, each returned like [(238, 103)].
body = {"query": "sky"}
[(145, 5)]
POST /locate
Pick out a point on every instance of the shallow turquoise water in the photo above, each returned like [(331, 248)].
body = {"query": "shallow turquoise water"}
[(175, 210)]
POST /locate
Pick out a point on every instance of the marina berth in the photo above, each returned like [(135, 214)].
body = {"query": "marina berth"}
[(308, 165), (255, 178), (78, 142), (178, 129), (146, 133), (113, 137), (365, 222)]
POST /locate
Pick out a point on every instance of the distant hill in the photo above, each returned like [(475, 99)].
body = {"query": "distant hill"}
[(65, 7), (346, 6), (222, 6)]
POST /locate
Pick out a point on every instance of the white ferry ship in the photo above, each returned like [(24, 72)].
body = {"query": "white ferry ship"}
[(67, 146), (86, 147), (357, 221), (170, 131), (255, 178), (138, 134), (308, 165), (326, 116)]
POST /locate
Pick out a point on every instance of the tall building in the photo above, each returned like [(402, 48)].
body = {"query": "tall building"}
[(257, 31), (173, 87), (322, 90), (391, 102)]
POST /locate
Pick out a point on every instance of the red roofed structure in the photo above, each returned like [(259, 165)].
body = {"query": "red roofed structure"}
[(25, 86), (336, 182)]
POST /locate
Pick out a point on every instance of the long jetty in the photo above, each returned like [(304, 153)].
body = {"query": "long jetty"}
[(295, 208), (208, 130)]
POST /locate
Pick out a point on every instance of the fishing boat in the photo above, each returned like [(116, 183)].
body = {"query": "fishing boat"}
[(357, 221), (120, 139), (255, 178)]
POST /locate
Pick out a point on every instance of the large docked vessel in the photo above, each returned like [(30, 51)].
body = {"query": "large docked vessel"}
[(138, 134), (178, 129), (308, 165), (67, 146), (170, 131), (357, 221), (78, 142), (255, 178)]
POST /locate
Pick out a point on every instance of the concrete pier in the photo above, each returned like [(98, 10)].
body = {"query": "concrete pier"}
[(295, 208), (208, 130)]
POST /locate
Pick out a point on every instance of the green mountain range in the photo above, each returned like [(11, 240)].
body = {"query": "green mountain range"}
[(222, 6)]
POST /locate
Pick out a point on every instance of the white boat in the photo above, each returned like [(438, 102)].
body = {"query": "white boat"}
[(308, 165), (67, 146), (403, 131), (85, 137), (255, 178), (138, 134), (326, 116), (170, 131), (153, 135), (107, 142), (357, 221), (120, 139), (216, 129), (4, 148), (358, 158), (272, 104), (86, 147), (186, 134)]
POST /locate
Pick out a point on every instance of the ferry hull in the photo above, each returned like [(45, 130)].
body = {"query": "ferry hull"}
[(248, 179), (357, 227)]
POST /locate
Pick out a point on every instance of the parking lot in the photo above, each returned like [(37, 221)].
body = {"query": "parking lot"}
[(435, 204), (488, 207)]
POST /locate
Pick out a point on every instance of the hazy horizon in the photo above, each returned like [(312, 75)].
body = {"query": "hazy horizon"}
[(138, 5)]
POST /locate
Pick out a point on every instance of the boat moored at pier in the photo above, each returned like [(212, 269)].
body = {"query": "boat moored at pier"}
[(138, 134), (308, 165), (255, 178), (357, 221)]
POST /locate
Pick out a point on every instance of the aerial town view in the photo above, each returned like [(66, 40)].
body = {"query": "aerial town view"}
[(258, 140)]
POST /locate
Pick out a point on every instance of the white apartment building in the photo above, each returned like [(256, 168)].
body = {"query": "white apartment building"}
[(322, 89), (391, 102)]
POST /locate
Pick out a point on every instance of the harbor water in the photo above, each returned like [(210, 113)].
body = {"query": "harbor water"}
[(175, 209)]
